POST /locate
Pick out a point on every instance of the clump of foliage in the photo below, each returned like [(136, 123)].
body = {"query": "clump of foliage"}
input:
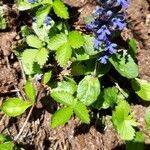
[(2, 19), (95, 64)]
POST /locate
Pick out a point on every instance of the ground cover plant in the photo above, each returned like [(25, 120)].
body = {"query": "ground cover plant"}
[(87, 73)]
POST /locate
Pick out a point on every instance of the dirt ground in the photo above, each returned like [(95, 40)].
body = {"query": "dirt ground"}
[(37, 134)]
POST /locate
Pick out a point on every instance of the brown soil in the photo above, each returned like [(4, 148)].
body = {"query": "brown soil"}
[(37, 134)]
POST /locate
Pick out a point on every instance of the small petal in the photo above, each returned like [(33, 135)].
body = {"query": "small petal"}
[(103, 59)]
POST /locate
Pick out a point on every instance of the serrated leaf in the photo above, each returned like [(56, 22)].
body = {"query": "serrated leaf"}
[(33, 41), (60, 9), (28, 57), (123, 122), (76, 40), (107, 98), (79, 54), (142, 88), (63, 54), (61, 117), (81, 111), (25, 5), (110, 97), (125, 65), (14, 106), (89, 45), (147, 117), (62, 97), (47, 77), (137, 143), (41, 56), (25, 31), (30, 91), (69, 86), (88, 90), (43, 31), (42, 13), (7, 146), (57, 41)]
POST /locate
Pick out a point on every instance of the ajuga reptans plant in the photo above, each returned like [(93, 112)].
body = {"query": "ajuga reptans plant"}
[(109, 17)]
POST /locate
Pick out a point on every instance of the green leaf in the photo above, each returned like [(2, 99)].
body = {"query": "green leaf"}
[(30, 91), (14, 107), (62, 97), (46, 1), (142, 88), (88, 90), (147, 117), (110, 97), (47, 77), (87, 67), (41, 56), (69, 86), (82, 112), (132, 47), (2, 19), (137, 143), (125, 65), (43, 31), (42, 13), (28, 58), (60, 9), (123, 122), (4, 138), (79, 54), (61, 117), (76, 40), (25, 31), (33, 41), (63, 54), (88, 46), (7, 146), (25, 5), (57, 41), (77, 69)]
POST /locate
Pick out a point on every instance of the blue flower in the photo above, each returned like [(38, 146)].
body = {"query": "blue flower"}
[(99, 11), (32, 1), (38, 77), (118, 23), (111, 48), (91, 25), (48, 20), (103, 32), (103, 59), (123, 3)]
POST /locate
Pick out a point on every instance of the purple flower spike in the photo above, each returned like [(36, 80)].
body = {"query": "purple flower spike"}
[(107, 20)]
